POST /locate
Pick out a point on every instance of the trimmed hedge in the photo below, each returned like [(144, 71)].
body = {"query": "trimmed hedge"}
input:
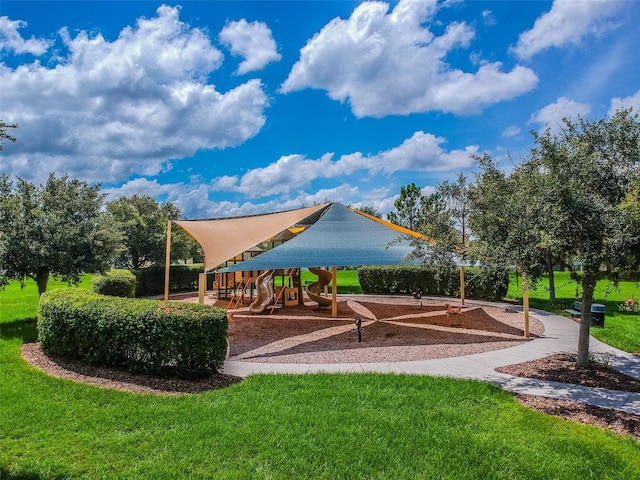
[(182, 278), (117, 283), (168, 338), (480, 282)]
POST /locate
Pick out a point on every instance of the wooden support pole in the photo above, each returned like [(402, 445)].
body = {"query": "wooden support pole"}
[(525, 303), (167, 267), (461, 285), (334, 292), (202, 287)]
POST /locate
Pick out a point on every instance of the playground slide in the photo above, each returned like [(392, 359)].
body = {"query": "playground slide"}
[(315, 289), (264, 292)]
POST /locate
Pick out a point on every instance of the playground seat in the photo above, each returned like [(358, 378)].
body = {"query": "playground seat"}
[(453, 310)]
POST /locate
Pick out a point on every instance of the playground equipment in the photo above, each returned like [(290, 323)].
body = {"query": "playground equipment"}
[(315, 289), (264, 292)]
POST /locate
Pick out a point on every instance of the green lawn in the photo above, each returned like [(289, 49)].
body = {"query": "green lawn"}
[(351, 426), (621, 330), (347, 280)]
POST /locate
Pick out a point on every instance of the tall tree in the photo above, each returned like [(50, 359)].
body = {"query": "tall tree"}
[(505, 218), (408, 207), (456, 196), (589, 170), (370, 211), (144, 223), (57, 230)]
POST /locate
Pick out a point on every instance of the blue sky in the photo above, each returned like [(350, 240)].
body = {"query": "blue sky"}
[(236, 108)]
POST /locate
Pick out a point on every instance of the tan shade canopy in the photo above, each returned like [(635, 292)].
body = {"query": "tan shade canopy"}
[(224, 238)]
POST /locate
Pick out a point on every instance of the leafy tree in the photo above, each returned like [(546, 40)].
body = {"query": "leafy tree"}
[(437, 225), (458, 205), (590, 169), (408, 207), (143, 222), (58, 229), (4, 135), (505, 218), (370, 211)]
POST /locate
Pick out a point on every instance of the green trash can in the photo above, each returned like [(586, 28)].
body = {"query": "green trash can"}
[(597, 315)]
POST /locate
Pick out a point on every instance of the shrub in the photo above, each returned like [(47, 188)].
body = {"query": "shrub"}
[(480, 282), (182, 278), (173, 338), (117, 283)]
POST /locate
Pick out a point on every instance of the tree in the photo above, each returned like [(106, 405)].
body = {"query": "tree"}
[(505, 218), (408, 207), (458, 205), (589, 170), (57, 230), (143, 222), (370, 211), (4, 135)]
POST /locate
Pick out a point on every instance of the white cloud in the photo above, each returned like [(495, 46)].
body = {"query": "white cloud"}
[(143, 186), (632, 101), (488, 18), (253, 41), (389, 63), (421, 152), (551, 116), (568, 22), (108, 110), (12, 41), (511, 131)]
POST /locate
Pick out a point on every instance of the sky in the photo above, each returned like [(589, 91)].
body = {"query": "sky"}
[(229, 108)]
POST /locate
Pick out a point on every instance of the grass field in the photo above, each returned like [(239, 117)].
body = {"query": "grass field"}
[(621, 330), (352, 426)]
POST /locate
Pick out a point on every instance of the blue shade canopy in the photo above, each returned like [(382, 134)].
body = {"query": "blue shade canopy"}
[(340, 238)]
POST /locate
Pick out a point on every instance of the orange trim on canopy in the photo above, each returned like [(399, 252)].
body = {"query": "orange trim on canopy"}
[(398, 228)]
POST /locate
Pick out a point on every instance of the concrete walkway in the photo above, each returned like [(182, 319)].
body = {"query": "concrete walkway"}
[(560, 336)]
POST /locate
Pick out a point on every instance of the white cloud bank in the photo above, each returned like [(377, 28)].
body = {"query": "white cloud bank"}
[(421, 152), (568, 22), (632, 101), (389, 63), (111, 109), (12, 41), (253, 41), (552, 115)]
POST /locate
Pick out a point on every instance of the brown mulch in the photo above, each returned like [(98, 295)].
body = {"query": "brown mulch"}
[(562, 368), (461, 333), (120, 379), (474, 319), (249, 333)]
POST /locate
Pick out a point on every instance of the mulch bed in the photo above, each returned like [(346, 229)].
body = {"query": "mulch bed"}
[(249, 333), (562, 368)]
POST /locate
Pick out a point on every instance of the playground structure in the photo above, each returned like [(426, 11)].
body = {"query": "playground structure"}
[(333, 235), (264, 292), (315, 289)]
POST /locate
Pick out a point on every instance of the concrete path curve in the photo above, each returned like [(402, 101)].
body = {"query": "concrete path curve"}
[(560, 336)]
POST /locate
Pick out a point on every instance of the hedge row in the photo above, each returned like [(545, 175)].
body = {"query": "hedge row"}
[(182, 278), (117, 283), (480, 282), (167, 338)]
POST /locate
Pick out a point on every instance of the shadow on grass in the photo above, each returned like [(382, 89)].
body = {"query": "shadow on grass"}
[(26, 475), (23, 329)]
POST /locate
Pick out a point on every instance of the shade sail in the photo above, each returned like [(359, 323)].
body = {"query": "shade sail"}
[(223, 238), (340, 238)]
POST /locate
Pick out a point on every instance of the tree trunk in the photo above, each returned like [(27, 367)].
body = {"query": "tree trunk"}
[(42, 278), (552, 281), (588, 287)]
